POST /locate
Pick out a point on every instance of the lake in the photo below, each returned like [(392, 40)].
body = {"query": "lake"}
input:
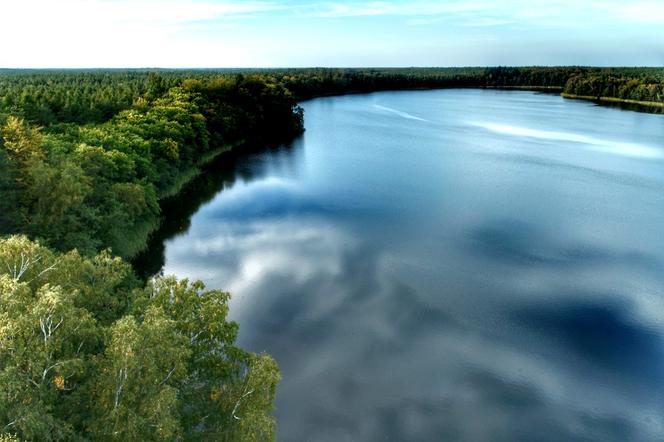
[(445, 265)]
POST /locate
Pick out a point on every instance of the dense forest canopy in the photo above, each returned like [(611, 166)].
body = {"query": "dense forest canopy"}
[(89, 352), (84, 96), (97, 185)]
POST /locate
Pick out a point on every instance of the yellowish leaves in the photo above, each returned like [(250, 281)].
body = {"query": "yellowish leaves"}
[(171, 148), (215, 394), (20, 139), (59, 382), (4, 331)]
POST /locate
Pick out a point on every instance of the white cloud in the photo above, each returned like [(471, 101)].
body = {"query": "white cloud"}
[(477, 22), (394, 8), (483, 13), (180, 33), (29, 12), (639, 12), (103, 33)]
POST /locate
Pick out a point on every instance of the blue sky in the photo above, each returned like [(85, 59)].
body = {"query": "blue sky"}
[(210, 33)]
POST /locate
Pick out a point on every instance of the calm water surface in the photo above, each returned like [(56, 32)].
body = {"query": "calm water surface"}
[(448, 265)]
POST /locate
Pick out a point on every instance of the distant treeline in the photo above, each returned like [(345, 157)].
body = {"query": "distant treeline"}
[(314, 82), (648, 88), (93, 96), (639, 84)]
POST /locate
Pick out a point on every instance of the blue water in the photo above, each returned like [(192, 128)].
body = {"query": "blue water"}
[(449, 265)]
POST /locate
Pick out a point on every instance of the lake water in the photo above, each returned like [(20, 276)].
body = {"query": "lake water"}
[(446, 265)]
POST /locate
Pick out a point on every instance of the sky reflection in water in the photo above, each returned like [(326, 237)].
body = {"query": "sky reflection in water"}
[(422, 270)]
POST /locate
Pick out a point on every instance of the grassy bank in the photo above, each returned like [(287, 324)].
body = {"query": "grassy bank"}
[(645, 104), (186, 177)]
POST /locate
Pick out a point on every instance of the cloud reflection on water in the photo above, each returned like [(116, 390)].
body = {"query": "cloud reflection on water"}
[(364, 355), (488, 318), (607, 146)]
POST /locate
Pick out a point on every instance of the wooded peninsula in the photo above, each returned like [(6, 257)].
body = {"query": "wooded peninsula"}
[(90, 351)]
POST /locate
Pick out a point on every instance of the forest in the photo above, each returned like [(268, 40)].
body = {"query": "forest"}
[(90, 351), (97, 185), (87, 350), (648, 88)]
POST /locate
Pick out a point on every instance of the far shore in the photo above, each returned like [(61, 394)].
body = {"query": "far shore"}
[(614, 100)]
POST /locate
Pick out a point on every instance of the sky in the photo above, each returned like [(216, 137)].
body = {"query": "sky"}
[(296, 33)]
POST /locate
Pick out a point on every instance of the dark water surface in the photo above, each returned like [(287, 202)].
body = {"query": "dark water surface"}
[(448, 265)]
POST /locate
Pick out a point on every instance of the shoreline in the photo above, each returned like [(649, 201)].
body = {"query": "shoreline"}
[(174, 192), (545, 89), (639, 106), (189, 176), (601, 99)]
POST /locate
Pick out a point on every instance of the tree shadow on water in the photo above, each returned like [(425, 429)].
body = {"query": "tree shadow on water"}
[(246, 163)]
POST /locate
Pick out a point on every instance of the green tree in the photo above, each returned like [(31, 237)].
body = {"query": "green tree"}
[(140, 371), (44, 340), (228, 393), (87, 353)]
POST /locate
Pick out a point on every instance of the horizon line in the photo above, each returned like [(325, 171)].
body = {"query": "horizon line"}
[(330, 67)]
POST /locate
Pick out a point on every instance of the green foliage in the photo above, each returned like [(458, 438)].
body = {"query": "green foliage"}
[(642, 88), (140, 370), (51, 96), (44, 340), (98, 186), (213, 408), (88, 353)]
